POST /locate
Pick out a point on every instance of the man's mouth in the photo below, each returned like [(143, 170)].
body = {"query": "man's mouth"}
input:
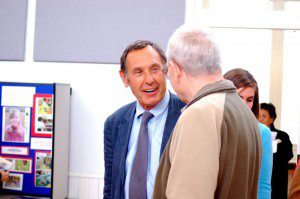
[(150, 90)]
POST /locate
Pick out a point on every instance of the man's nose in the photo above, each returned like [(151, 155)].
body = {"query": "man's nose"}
[(149, 77)]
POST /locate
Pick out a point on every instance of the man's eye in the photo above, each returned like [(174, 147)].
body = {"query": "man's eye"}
[(138, 72)]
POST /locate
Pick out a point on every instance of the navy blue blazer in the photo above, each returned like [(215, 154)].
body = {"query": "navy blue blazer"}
[(117, 129)]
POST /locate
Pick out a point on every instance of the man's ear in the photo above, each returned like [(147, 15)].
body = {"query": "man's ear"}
[(124, 78), (177, 70)]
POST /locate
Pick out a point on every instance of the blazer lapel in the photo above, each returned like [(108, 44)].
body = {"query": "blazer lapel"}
[(124, 131)]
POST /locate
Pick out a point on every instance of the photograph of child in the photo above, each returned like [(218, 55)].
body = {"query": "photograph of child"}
[(23, 165), (43, 178), (44, 105), (40, 124), (43, 167), (43, 161), (15, 182), (43, 115), (15, 124)]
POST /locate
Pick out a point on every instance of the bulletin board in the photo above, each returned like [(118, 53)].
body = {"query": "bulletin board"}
[(27, 122)]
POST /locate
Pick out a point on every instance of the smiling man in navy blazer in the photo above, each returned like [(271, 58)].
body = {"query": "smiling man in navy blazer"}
[(142, 65)]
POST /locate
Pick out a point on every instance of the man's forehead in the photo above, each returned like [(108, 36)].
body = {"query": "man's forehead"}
[(145, 66), (146, 57), (142, 51)]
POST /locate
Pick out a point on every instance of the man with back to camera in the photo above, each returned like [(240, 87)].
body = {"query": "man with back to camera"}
[(136, 134), (215, 149)]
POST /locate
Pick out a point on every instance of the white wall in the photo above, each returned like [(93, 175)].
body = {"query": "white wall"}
[(290, 121), (97, 92)]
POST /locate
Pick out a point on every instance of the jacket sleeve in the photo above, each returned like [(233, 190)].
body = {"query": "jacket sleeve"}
[(194, 162), (108, 158), (264, 185)]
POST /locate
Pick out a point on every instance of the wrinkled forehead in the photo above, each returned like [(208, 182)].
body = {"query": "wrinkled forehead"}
[(143, 58)]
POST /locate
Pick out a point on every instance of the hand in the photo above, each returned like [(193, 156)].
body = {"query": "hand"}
[(5, 176), (14, 126)]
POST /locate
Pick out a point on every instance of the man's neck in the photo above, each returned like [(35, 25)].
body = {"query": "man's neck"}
[(194, 84)]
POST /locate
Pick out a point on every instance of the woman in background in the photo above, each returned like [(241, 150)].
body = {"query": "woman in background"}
[(283, 154), (248, 90)]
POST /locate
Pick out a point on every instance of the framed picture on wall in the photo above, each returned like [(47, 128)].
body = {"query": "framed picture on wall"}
[(15, 124), (42, 117), (43, 168)]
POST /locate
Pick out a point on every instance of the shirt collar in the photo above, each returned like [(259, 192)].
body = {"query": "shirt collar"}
[(156, 110)]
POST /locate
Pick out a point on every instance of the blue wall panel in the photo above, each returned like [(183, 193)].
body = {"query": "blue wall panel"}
[(98, 31), (13, 17)]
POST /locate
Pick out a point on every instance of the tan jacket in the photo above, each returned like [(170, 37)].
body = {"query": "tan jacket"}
[(215, 150), (294, 192)]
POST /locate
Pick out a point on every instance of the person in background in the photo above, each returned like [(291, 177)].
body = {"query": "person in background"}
[(4, 176), (283, 154), (294, 191), (247, 89), (215, 149), (135, 135)]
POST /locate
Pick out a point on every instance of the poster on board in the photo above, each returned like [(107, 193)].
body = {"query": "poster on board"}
[(42, 122), (15, 182), (43, 168), (20, 165)]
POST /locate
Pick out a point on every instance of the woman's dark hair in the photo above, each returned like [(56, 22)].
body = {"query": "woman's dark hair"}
[(138, 45), (242, 78), (270, 108)]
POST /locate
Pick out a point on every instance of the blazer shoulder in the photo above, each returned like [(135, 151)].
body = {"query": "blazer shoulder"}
[(175, 101), (121, 113)]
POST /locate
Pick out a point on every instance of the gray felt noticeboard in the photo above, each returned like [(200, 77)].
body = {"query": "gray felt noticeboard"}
[(13, 17), (98, 31)]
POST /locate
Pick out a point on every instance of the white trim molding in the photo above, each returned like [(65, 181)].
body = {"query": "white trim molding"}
[(85, 185)]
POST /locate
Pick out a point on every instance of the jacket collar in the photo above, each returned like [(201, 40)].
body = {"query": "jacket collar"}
[(223, 86)]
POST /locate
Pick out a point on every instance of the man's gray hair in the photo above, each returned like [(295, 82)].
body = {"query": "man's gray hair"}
[(194, 50)]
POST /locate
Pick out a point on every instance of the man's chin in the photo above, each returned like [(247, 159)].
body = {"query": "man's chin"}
[(150, 104)]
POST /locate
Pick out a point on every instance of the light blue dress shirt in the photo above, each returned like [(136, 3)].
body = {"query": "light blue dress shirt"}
[(156, 128)]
